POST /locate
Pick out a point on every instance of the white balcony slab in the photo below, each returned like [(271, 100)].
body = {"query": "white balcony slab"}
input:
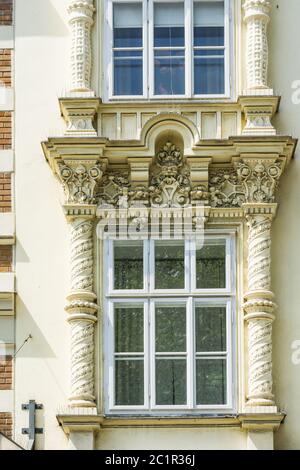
[(7, 228), (6, 98), (6, 161), (7, 283), (6, 401), (6, 329), (6, 37)]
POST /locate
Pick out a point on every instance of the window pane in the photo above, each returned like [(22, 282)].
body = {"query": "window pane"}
[(211, 381), (169, 65), (170, 329), (209, 23), (211, 266), (210, 329), (169, 25), (170, 381), (128, 25), (169, 265), (128, 77), (129, 329), (128, 64), (169, 76), (209, 75), (129, 379), (128, 265)]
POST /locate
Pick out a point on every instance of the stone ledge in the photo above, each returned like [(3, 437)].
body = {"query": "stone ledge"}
[(87, 421)]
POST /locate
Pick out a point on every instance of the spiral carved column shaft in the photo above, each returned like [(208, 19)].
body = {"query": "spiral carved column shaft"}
[(81, 20), (256, 19), (82, 311), (259, 308)]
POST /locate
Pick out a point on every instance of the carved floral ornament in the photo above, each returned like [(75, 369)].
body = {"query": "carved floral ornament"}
[(170, 185)]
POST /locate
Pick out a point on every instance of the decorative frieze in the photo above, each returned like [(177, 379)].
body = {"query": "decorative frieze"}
[(257, 19), (81, 19)]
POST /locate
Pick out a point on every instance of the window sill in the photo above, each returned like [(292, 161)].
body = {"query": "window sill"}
[(256, 421)]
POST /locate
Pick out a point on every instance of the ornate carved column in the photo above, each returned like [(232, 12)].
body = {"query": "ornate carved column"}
[(257, 19), (81, 19), (79, 180), (259, 178)]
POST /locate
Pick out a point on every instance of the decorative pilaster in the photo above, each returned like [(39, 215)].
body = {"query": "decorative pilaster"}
[(82, 310), (81, 20), (257, 19), (259, 178), (259, 306), (79, 180)]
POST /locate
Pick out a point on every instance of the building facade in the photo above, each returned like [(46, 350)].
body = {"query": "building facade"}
[(148, 230)]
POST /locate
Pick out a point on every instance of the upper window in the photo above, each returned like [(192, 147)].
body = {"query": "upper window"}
[(168, 329), (168, 48)]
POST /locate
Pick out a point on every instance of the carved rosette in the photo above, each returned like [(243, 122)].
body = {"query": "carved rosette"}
[(257, 19), (81, 19), (259, 308)]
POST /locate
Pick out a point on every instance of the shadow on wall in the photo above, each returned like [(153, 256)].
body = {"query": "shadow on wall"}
[(39, 18), (38, 346)]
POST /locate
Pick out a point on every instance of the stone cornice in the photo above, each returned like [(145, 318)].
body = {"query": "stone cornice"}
[(95, 422)]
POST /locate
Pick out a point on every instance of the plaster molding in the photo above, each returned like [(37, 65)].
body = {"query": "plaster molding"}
[(257, 18), (81, 14)]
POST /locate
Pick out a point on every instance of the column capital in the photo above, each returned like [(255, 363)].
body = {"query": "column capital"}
[(259, 9), (259, 176), (81, 9), (79, 179)]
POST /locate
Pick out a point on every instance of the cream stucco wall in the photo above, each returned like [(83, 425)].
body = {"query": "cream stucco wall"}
[(42, 250)]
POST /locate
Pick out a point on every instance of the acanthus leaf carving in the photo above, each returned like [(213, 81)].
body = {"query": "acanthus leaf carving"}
[(259, 179), (79, 180)]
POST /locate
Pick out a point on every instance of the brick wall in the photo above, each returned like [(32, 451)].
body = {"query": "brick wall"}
[(5, 372), (5, 192), (5, 130), (6, 12), (5, 67), (5, 258), (6, 424)]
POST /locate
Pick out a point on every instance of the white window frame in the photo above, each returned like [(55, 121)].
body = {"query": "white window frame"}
[(149, 298), (148, 53)]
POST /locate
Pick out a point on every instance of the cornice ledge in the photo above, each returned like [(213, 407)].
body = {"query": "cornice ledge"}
[(261, 422), (83, 420)]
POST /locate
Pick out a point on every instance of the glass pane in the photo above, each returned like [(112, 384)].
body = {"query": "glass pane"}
[(209, 75), (169, 76), (210, 329), (168, 24), (211, 381), (170, 329), (170, 381), (128, 76), (169, 265), (211, 266), (129, 329), (128, 265), (128, 25), (129, 380), (208, 36)]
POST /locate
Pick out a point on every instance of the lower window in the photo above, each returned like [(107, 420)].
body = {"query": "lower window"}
[(170, 353)]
